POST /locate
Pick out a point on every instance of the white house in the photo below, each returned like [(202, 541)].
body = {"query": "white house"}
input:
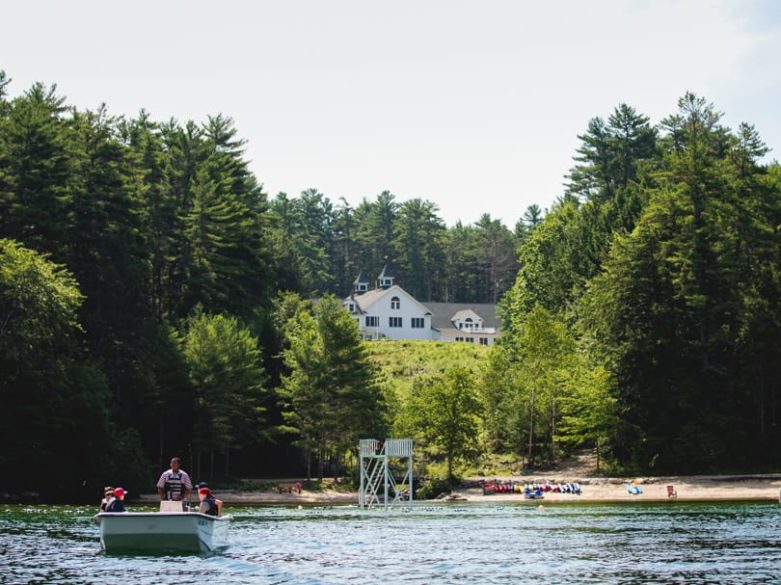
[(388, 311), (467, 322)]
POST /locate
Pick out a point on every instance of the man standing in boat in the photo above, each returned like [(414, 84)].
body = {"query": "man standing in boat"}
[(175, 484)]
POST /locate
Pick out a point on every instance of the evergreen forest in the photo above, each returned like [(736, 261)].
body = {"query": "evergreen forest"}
[(156, 301)]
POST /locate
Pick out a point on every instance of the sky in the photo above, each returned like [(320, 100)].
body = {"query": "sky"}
[(475, 106)]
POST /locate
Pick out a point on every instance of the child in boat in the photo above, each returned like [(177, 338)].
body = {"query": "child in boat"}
[(118, 503), (209, 504), (108, 493)]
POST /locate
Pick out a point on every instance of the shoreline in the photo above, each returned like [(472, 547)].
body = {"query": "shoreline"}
[(764, 487)]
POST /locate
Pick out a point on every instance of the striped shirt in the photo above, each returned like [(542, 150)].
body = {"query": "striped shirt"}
[(175, 484)]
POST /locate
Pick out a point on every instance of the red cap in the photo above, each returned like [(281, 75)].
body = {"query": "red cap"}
[(205, 491), (119, 492)]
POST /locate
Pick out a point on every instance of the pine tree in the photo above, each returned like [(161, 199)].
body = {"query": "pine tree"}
[(331, 398)]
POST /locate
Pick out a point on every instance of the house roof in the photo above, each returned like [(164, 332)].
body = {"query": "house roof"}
[(464, 314), (360, 279), (366, 300), (387, 271), (442, 314)]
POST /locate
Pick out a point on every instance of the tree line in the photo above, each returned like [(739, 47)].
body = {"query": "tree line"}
[(645, 317), (172, 263), (323, 246), (152, 303)]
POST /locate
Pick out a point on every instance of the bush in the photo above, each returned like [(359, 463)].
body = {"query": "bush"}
[(431, 487)]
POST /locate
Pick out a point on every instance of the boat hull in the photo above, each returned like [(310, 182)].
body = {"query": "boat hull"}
[(162, 532)]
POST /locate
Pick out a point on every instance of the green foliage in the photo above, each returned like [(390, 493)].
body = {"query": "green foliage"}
[(442, 415), (589, 411), (644, 319), (55, 419), (532, 374), (151, 219), (330, 394), (401, 363), (226, 373), (678, 309), (432, 487), (662, 261), (322, 247), (38, 303)]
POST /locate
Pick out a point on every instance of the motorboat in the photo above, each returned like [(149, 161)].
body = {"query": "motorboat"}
[(159, 532)]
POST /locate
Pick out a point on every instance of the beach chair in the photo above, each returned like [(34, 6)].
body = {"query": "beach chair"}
[(671, 491)]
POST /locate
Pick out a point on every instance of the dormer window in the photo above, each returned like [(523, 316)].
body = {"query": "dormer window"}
[(469, 323), (362, 287), (395, 303)]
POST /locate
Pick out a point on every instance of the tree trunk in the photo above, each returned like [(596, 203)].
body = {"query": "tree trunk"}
[(599, 450), (531, 428), (309, 465), (320, 456), (553, 430)]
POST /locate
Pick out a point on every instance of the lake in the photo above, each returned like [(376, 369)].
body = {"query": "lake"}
[(454, 543)]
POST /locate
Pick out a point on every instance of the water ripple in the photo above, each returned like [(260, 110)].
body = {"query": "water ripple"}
[(678, 543)]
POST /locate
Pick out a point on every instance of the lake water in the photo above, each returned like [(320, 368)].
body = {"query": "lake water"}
[(466, 543)]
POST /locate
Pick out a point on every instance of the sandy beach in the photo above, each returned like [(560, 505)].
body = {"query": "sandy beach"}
[(606, 490), (688, 488)]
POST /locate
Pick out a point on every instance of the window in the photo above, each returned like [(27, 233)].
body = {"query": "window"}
[(351, 307), (418, 322), (469, 339), (483, 341), (468, 322), (459, 339), (395, 303), (372, 321), (394, 321)]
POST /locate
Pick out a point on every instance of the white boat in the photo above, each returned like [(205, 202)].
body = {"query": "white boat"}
[(162, 532)]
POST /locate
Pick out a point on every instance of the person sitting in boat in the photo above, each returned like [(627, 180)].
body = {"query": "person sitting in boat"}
[(175, 484), (209, 504), (108, 493), (118, 503)]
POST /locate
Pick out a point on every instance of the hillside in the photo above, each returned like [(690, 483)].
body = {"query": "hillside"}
[(402, 362)]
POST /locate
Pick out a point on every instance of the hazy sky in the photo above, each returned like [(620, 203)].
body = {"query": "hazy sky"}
[(473, 105)]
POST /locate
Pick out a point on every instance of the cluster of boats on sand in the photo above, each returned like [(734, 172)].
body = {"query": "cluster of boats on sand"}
[(531, 491)]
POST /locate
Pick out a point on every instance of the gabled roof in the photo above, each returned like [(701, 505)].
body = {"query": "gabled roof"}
[(464, 314), (361, 279), (365, 301), (442, 313)]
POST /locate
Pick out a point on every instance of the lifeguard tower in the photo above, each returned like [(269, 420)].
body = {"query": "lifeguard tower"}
[(378, 460)]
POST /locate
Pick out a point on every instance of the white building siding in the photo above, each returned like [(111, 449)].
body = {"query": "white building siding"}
[(394, 319), (390, 314)]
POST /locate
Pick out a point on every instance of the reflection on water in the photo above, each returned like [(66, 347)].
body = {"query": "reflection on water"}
[(675, 542)]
